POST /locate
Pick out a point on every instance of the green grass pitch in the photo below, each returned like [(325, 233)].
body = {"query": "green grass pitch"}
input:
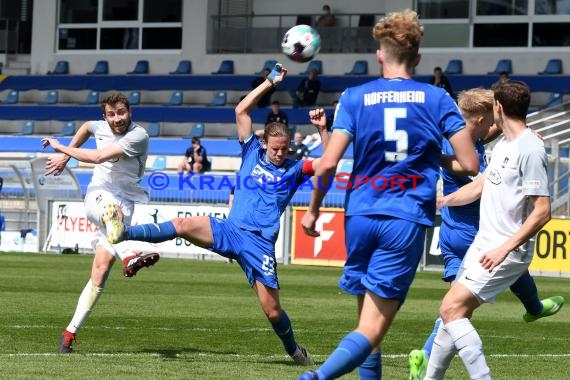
[(186, 319)]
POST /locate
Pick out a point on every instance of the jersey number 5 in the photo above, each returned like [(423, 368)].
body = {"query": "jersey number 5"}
[(393, 134)]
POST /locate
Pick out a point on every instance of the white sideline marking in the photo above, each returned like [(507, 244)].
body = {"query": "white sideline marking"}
[(266, 357)]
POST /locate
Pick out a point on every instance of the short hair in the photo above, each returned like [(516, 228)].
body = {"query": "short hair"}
[(276, 102), (276, 129), (195, 140), (437, 68), (475, 102), (514, 97), (114, 98), (400, 34)]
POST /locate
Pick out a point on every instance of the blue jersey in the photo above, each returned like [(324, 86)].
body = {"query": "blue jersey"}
[(396, 127), (263, 190), (467, 216)]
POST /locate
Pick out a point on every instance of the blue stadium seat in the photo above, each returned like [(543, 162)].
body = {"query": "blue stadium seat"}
[(226, 67), (454, 67), (101, 67), (12, 97), (176, 99), (72, 163), (555, 99), (27, 129), (504, 65), (61, 68), (52, 97), (219, 99), (196, 131), (67, 130), (184, 67), (135, 98), (360, 68), (269, 64), (153, 129), (92, 98), (158, 164), (315, 64), (554, 66), (141, 67)]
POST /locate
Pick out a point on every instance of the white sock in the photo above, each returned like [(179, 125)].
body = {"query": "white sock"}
[(120, 250), (85, 305), (469, 347), (442, 352)]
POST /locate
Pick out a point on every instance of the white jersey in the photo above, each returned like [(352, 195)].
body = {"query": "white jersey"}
[(517, 170), (121, 176)]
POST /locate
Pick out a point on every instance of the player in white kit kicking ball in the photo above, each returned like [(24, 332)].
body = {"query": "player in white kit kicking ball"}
[(120, 160), (515, 178)]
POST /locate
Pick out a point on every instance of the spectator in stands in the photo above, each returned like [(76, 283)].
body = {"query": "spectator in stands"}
[(440, 80), (248, 234), (121, 149), (503, 76), (307, 91), (298, 150), (327, 18), (266, 98), (276, 115), (195, 159)]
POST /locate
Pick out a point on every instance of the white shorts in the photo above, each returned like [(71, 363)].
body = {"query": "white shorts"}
[(486, 285)]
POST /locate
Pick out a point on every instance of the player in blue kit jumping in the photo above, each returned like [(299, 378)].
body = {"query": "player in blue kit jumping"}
[(461, 223), (396, 126), (267, 182)]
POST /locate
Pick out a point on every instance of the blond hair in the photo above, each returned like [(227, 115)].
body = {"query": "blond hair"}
[(276, 129), (475, 102), (399, 35)]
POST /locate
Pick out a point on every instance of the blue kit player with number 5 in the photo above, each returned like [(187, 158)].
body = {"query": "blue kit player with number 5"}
[(396, 126), (267, 181)]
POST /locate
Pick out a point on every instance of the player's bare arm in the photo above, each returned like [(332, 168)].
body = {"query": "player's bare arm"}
[(464, 195), (56, 163), (243, 120), (465, 161), (318, 118), (91, 156), (539, 216)]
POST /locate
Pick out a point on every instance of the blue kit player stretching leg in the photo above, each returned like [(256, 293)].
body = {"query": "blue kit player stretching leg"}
[(268, 180), (396, 126), (461, 223)]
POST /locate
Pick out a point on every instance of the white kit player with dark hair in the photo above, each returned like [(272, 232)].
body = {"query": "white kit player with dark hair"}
[(120, 159), (514, 180)]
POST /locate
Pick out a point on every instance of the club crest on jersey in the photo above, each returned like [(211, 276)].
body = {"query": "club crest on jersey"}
[(495, 177), (263, 176)]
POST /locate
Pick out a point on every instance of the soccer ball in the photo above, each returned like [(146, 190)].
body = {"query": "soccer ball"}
[(301, 43)]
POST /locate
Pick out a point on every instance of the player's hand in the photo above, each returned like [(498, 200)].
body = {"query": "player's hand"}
[(440, 202), (493, 258), (318, 118), (308, 223), (47, 141), (56, 164), (277, 75)]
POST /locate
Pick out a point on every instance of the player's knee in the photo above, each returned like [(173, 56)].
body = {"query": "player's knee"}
[(273, 315), (181, 224)]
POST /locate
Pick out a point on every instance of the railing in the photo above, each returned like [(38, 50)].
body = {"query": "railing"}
[(263, 33)]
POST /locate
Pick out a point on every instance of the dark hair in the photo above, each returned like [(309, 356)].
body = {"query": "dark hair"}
[(114, 98), (195, 140), (514, 97)]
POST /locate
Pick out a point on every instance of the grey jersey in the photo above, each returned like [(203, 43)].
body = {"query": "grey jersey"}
[(517, 170), (121, 176)]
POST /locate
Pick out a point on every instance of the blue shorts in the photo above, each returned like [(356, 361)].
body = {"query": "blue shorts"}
[(255, 255), (453, 243), (383, 254)]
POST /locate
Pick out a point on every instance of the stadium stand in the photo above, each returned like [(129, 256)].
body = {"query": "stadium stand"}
[(314, 64), (198, 130), (153, 129), (52, 97), (135, 98), (226, 67), (176, 99), (454, 67), (360, 67), (68, 129), (269, 64), (220, 99), (12, 97), (92, 98), (26, 130), (159, 163)]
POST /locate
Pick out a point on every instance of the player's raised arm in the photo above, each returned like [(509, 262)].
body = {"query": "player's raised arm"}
[(243, 120)]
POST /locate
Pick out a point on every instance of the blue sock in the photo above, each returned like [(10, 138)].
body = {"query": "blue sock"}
[(525, 290), (429, 341), (350, 353), (371, 368), (284, 331), (152, 233)]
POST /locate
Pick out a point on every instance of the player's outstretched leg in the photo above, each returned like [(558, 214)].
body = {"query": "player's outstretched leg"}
[(132, 264), (550, 306), (66, 342)]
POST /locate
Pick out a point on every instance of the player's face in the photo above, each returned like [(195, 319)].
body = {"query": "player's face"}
[(484, 124), (277, 149), (118, 117)]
